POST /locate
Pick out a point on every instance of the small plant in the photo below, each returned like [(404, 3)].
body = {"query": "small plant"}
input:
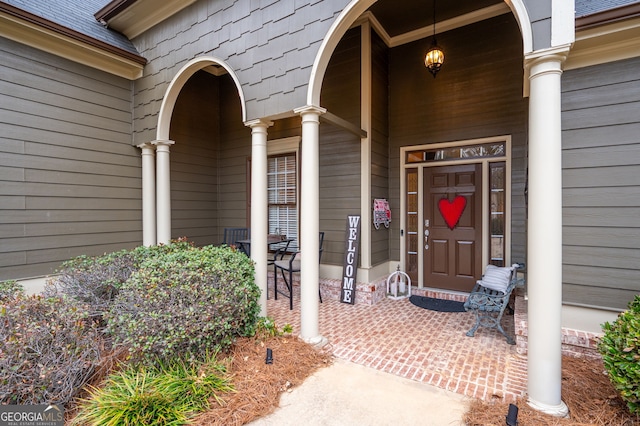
[(620, 349), (186, 301), (49, 349), (266, 327), (10, 290), (167, 394), (130, 398)]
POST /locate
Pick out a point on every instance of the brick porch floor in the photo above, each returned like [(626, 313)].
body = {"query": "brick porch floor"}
[(397, 337)]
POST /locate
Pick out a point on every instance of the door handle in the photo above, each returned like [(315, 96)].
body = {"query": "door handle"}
[(426, 235)]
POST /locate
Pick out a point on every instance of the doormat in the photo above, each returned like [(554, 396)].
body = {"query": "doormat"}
[(439, 305)]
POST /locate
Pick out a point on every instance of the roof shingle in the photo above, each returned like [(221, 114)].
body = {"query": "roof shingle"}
[(76, 15)]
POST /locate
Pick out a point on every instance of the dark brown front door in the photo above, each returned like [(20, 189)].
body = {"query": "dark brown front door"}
[(452, 251)]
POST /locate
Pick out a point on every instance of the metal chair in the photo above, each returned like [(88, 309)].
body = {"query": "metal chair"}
[(291, 265), (233, 235)]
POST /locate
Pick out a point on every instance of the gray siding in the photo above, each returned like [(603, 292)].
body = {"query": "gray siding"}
[(195, 129), (270, 45), (235, 150), (69, 177), (470, 98), (339, 149), (380, 144), (601, 188)]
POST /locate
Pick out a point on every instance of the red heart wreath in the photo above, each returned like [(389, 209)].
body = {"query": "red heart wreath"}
[(451, 211)]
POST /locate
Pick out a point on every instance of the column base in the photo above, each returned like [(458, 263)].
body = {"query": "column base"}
[(317, 342), (560, 410)]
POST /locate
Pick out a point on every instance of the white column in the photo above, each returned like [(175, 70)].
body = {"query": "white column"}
[(148, 195), (259, 203), (544, 234), (310, 224), (163, 191)]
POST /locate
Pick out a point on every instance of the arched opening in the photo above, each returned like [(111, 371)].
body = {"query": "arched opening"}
[(206, 63), (354, 11), (203, 115)]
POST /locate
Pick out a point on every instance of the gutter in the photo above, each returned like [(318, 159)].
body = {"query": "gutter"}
[(69, 33), (113, 9), (609, 16)]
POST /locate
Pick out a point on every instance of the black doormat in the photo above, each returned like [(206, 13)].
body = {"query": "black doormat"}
[(439, 305)]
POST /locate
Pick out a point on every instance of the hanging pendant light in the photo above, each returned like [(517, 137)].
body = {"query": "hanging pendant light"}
[(434, 58)]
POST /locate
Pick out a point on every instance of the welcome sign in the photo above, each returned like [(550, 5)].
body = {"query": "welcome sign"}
[(348, 291)]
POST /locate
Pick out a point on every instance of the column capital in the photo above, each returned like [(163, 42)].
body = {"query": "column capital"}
[(547, 60), (310, 109), (163, 142), (145, 145), (259, 122)]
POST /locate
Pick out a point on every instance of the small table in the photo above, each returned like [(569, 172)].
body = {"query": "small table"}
[(272, 239)]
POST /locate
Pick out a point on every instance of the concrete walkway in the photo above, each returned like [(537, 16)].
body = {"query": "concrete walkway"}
[(348, 394)]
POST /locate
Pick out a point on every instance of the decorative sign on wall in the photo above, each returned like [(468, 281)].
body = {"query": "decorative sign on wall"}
[(451, 211), (348, 292), (381, 213)]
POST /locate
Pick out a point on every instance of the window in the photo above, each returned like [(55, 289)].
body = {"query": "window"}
[(282, 194), (497, 216)]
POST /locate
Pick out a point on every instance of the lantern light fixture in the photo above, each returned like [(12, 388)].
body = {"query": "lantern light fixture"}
[(434, 58)]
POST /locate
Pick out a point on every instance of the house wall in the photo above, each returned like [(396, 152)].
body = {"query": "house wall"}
[(339, 149), (470, 98), (270, 46), (233, 167), (70, 180), (381, 238), (601, 188), (195, 129)]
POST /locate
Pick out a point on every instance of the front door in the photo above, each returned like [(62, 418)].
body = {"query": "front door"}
[(452, 226)]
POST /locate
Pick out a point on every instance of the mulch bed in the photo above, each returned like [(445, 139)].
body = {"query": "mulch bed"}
[(587, 391), (259, 385)]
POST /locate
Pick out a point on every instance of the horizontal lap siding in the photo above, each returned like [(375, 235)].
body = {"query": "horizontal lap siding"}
[(235, 150), (195, 129), (601, 188), (470, 98), (380, 144), (339, 149), (69, 178)]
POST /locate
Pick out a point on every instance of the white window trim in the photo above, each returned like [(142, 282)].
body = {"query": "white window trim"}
[(287, 146)]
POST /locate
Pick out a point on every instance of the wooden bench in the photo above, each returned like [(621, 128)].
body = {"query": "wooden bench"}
[(489, 305)]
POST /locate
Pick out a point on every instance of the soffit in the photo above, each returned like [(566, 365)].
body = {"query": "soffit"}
[(401, 17), (40, 33)]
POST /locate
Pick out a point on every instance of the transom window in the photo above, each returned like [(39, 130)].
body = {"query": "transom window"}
[(496, 149)]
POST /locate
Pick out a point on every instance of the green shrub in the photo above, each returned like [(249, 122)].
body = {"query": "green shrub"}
[(97, 280), (185, 302), (620, 349), (166, 394), (48, 349)]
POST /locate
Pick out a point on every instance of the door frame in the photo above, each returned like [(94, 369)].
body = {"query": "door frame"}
[(485, 196)]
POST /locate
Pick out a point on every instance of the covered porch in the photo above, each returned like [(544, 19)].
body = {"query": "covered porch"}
[(430, 347)]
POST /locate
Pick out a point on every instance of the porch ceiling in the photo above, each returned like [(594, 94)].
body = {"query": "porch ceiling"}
[(400, 17)]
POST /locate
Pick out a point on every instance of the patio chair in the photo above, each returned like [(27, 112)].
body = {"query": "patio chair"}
[(291, 266), (233, 235)]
